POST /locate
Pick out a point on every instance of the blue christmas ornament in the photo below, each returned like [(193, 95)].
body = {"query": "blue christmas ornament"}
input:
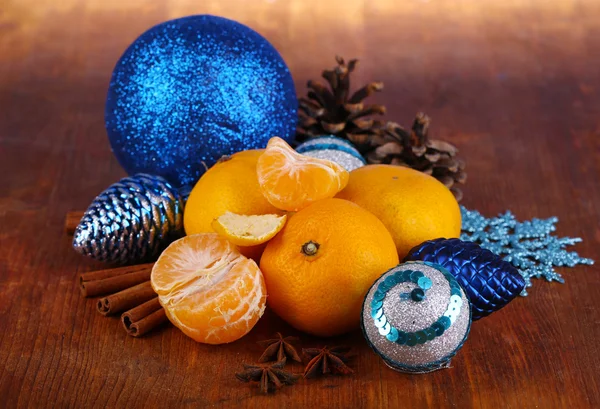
[(489, 281), (131, 221), (190, 90), (416, 317), (334, 149), (529, 245)]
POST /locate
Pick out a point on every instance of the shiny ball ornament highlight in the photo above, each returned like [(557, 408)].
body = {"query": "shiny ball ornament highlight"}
[(416, 317), (335, 149), (191, 90)]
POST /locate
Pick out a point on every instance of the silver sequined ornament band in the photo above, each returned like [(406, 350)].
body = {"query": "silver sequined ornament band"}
[(335, 149)]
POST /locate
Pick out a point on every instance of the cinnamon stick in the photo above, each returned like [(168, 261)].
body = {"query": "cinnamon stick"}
[(126, 299), (72, 221), (114, 279), (144, 318)]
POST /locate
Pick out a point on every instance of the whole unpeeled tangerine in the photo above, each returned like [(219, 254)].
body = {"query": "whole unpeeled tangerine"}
[(414, 206), (322, 263)]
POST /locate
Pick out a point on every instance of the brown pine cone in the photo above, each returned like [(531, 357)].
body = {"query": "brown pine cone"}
[(334, 111), (415, 150)]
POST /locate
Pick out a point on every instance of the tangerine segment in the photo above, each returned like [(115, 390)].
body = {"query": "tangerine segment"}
[(245, 230), (208, 289), (291, 181)]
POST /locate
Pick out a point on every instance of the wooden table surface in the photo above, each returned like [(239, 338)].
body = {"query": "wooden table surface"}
[(513, 83)]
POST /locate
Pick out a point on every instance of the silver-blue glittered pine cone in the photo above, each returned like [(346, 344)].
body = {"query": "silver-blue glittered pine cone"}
[(131, 221), (489, 281)]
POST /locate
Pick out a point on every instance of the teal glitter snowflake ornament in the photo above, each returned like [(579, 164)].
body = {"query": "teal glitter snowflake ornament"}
[(529, 245)]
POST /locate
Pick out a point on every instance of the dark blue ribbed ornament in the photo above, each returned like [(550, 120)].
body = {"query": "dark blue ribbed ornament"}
[(489, 281), (191, 90)]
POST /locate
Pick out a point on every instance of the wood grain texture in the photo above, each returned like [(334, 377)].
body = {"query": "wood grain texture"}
[(513, 83)]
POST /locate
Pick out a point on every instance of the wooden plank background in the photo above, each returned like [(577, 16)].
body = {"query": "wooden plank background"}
[(513, 83)]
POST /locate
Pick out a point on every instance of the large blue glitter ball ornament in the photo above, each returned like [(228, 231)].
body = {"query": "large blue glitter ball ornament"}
[(335, 149), (191, 90), (489, 281)]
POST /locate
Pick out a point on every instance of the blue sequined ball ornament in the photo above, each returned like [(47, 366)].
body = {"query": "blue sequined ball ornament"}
[(335, 149), (416, 317), (489, 281), (191, 90)]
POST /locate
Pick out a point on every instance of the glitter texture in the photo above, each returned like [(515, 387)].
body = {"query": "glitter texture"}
[(190, 90), (529, 246), (411, 316), (334, 149), (131, 221)]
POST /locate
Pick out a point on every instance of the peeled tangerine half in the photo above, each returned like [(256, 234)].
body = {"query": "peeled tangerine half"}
[(208, 289), (245, 230), (291, 181)]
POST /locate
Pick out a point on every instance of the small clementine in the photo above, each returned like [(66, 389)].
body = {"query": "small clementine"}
[(230, 185), (414, 207)]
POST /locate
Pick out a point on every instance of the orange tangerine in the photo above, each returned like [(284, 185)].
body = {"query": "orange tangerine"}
[(229, 186), (208, 289), (414, 207), (291, 181), (322, 263)]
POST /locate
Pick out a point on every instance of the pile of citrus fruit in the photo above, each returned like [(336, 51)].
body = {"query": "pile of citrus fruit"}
[(321, 236)]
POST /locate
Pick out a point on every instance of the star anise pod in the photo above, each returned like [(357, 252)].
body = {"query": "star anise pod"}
[(279, 348), (327, 360), (270, 377)]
